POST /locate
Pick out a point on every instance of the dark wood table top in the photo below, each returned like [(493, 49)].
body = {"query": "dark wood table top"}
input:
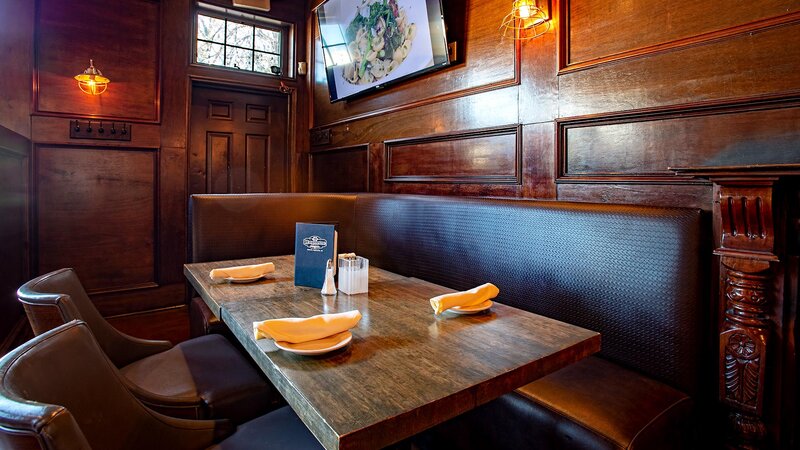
[(406, 369)]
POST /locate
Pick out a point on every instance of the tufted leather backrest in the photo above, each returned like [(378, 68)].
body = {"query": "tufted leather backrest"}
[(635, 274), (237, 226)]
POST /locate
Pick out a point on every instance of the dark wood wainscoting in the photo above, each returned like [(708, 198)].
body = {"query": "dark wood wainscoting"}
[(98, 207), (14, 151), (340, 170), (641, 146), (95, 212), (491, 156)]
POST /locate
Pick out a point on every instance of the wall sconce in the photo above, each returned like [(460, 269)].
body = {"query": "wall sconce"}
[(92, 81), (525, 21)]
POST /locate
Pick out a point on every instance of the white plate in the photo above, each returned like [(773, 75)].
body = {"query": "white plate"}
[(471, 309), (319, 346), (243, 279)]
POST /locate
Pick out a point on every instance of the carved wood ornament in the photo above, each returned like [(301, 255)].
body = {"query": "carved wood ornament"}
[(750, 227), (744, 210)]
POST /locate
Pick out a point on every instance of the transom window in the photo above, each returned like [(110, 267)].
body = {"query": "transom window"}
[(229, 43)]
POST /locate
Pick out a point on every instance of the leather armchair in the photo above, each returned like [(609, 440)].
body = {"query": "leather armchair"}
[(59, 391), (201, 378)]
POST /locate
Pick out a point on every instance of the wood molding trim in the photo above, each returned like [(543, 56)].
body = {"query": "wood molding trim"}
[(699, 109), (512, 178), (565, 67)]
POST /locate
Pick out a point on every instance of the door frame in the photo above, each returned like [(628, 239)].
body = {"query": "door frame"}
[(234, 85)]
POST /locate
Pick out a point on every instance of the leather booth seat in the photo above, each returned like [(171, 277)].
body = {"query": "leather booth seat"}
[(590, 405), (636, 274), (200, 378), (60, 391)]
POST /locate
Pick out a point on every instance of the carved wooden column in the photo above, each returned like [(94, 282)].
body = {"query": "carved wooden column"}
[(749, 227), (747, 250)]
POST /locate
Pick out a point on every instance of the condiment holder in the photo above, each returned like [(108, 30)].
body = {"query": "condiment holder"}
[(353, 274)]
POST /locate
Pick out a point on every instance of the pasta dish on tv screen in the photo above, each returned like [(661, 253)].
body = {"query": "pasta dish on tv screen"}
[(370, 43)]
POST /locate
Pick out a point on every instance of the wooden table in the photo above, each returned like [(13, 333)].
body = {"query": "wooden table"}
[(406, 369)]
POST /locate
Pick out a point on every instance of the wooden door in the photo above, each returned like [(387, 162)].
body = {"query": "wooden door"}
[(238, 141)]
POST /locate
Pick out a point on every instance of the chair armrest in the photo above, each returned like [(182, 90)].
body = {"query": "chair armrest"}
[(183, 433), (47, 311), (28, 421), (186, 408), (127, 349)]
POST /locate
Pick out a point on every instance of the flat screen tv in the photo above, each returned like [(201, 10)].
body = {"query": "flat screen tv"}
[(368, 44)]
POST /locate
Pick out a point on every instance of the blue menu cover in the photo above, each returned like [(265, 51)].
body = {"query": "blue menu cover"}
[(314, 245)]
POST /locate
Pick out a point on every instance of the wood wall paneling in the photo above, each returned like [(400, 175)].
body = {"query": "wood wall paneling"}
[(16, 46), (538, 90), (473, 112), (685, 196), (643, 146), (55, 130), (538, 164), (340, 170), (14, 157), (747, 66), (492, 156), (96, 212), (123, 41), (599, 31)]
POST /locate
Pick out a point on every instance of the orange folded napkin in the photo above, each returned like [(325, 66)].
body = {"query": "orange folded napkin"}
[(472, 297), (296, 330), (255, 270)]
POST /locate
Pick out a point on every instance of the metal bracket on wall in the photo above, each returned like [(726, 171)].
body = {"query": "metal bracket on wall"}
[(98, 129)]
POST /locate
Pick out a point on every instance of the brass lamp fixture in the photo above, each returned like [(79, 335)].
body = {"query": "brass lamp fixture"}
[(92, 81), (525, 21)]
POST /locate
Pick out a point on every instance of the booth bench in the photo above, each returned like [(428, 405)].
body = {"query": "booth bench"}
[(638, 275)]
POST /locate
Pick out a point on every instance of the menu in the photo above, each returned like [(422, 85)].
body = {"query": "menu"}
[(314, 245)]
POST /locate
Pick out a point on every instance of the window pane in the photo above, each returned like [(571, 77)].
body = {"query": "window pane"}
[(208, 53), (210, 29), (240, 35), (265, 61), (239, 58), (268, 40)]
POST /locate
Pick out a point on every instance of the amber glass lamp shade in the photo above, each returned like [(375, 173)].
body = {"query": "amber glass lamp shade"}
[(92, 81), (525, 21)]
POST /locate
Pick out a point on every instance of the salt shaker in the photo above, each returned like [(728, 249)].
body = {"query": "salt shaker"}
[(329, 287)]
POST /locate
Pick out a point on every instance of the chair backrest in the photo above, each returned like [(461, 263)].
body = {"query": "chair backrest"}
[(60, 392), (58, 297)]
